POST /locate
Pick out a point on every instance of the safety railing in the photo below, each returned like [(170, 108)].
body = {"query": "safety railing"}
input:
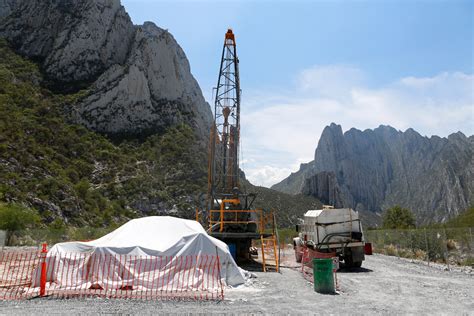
[(27, 274), (230, 217), (224, 217)]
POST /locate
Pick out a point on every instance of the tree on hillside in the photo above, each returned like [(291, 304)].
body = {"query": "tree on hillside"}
[(15, 217), (398, 217)]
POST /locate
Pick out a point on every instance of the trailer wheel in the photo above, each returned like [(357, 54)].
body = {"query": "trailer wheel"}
[(298, 256), (357, 264), (349, 263), (297, 246), (353, 257)]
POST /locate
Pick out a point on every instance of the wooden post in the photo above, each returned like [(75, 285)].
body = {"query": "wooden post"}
[(221, 229), (446, 254), (263, 253), (427, 249), (470, 233)]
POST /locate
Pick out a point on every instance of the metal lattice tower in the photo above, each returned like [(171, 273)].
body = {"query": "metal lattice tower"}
[(225, 134), (228, 213)]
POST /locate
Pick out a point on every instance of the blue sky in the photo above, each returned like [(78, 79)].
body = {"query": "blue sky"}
[(305, 64)]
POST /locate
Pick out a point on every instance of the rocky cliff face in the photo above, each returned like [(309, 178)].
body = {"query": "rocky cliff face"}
[(376, 169), (75, 41), (138, 79)]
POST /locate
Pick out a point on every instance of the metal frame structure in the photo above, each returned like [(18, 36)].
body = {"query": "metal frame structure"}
[(227, 212), (225, 134)]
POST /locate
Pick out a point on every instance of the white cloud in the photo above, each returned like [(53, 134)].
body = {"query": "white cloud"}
[(333, 81), (267, 174), (281, 130)]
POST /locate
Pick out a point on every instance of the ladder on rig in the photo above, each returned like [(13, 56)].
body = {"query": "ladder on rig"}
[(270, 248)]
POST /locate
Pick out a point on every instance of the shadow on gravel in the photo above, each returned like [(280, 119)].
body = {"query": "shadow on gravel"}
[(354, 270), (251, 265)]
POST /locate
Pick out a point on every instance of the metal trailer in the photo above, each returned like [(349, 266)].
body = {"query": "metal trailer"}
[(337, 231)]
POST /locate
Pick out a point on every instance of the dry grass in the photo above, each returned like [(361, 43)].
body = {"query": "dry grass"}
[(391, 250), (420, 254), (451, 244)]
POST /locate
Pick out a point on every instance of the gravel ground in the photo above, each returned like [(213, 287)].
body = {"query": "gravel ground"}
[(385, 285)]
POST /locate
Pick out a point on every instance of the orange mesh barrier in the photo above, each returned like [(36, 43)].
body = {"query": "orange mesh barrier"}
[(195, 277)]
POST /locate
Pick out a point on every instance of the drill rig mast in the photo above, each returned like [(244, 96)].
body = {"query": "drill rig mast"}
[(229, 212), (225, 134)]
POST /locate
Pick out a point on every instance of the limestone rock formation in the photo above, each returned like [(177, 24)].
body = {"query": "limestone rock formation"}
[(152, 90), (295, 182), (376, 169), (75, 40), (324, 185), (138, 79)]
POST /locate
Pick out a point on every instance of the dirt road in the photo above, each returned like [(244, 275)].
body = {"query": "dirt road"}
[(386, 285)]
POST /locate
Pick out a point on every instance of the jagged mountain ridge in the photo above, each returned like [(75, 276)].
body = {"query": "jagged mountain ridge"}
[(138, 78), (376, 169)]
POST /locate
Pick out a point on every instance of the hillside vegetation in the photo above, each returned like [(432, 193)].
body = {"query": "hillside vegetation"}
[(465, 219), (289, 208), (69, 174)]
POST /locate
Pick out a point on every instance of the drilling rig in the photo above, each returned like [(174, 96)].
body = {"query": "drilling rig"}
[(227, 211)]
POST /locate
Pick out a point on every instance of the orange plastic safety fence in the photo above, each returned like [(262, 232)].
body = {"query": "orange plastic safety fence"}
[(195, 277), (307, 266), (16, 270)]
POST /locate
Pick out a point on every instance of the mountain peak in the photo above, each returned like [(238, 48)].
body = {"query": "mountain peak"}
[(410, 131), (331, 139), (386, 129), (376, 169), (334, 127), (458, 135), (152, 29)]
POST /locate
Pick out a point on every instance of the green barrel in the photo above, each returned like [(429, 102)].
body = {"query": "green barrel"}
[(323, 276)]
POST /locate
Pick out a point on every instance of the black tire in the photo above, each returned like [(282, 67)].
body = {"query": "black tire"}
[(348, 263), (356, 264)]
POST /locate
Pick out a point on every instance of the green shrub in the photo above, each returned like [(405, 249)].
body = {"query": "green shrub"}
[(82, 188), (286, 235), (398, 218), (15, 217)]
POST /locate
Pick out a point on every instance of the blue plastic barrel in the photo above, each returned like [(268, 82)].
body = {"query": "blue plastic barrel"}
[(233, 250)]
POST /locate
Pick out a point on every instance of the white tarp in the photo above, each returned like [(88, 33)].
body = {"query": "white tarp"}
[(150, 237)]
